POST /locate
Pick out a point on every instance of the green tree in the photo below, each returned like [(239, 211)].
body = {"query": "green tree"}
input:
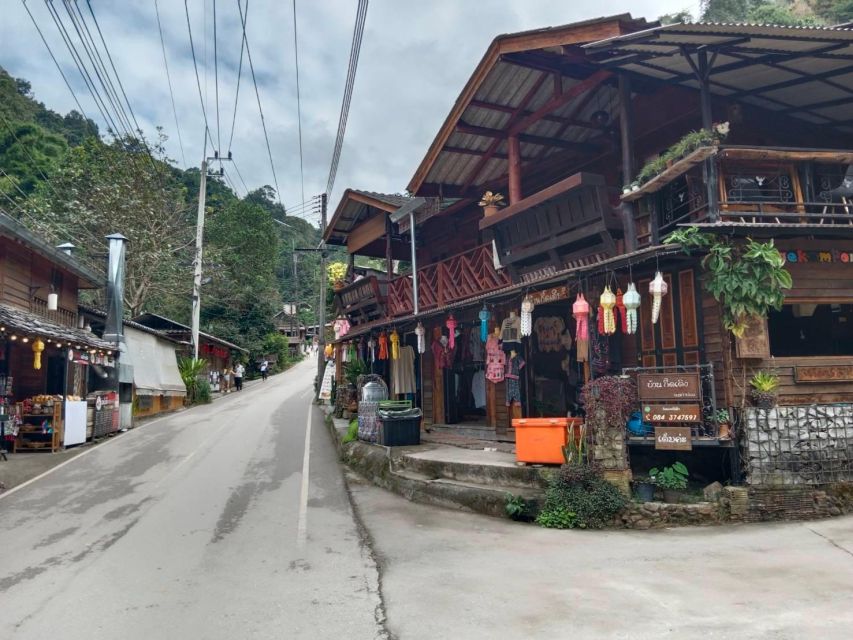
[(28, 155)]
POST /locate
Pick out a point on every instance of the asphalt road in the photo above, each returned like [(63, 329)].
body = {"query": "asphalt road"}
[(199, 525)]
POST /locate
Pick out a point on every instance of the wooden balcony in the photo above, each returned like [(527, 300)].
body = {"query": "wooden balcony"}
[(61, 317), (557, 227), (363, 300), (462, 276), (756, 187)]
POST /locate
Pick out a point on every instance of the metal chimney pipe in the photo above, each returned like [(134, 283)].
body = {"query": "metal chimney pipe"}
[(114, 328), (67, 248)]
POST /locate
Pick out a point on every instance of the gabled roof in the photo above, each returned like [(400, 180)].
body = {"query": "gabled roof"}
[(519, 74), (355, 207), (25, 322), (172, 328), (13, 229), (101, 314)]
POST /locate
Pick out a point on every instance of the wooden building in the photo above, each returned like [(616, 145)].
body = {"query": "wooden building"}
[(561, 120)]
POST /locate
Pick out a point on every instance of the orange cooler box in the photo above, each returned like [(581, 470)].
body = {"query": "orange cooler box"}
[(541, 440)]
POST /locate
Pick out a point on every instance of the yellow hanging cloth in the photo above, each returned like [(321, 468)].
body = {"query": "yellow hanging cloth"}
[(395, 345)]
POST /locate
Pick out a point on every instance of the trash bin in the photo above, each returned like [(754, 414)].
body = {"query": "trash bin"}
[(400, 427)]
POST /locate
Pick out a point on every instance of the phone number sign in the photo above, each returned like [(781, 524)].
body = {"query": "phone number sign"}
[(672, 413)]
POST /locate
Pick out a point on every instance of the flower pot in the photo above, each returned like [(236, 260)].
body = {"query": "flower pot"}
[(645, 491), (764, 399), (673, 495), (725, 432), (338, 285), (490, 210)]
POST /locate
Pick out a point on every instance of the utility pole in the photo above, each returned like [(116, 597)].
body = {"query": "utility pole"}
[(199, 241), (321, 330), (295, 307)]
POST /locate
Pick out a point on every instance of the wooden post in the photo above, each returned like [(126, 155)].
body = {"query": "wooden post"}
[(388, 260), (514, 152), (626, 126), (709, 169), (350, 268)]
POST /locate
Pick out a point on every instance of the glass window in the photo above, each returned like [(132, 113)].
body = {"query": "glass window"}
[(802, 329)]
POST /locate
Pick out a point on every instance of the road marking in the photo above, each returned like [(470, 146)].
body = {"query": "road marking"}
[(302, 523)]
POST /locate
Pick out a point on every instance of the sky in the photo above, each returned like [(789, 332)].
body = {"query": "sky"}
[(416, 56)]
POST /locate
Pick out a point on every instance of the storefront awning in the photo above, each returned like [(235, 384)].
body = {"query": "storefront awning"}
[(25, 323), (155, 366)]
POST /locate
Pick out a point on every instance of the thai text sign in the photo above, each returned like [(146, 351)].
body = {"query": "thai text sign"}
[(673, 438), (669, 386), (672, 413), (549, 295), (837, 373)]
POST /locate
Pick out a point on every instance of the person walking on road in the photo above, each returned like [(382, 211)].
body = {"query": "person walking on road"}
[(265, 367), (239, 372)]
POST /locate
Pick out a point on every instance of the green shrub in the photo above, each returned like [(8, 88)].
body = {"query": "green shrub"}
[(672, 477), (202, 391), (578, 497), (515, 506), (352, 432)]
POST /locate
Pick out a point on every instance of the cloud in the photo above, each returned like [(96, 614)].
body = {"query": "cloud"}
[(415, 58)]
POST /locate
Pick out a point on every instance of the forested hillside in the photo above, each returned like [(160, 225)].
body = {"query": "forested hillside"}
[(781, 12), (64, 180)]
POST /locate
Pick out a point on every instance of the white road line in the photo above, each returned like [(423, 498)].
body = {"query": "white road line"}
[(302, 523)]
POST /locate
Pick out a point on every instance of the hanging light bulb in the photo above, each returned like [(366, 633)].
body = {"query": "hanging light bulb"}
[(25, 339)]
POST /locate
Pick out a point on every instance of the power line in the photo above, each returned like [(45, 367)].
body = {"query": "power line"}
[(239, 175), (216, 78), (197, 81), (169, 80), (52, 57), (298, 101), (260, 108), (239, 73), (355, 49)]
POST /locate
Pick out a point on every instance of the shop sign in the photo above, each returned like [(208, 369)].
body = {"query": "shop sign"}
[(549, 295), (672, 413), (755, 341), (669, 386), (798, 256), (673, 438), (837, 373)]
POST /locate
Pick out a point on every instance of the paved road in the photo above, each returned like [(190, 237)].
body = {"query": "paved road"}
[(194, 527), (452, 575)]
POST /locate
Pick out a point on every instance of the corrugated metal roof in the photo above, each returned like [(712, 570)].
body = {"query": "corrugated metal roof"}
[(351, 211)]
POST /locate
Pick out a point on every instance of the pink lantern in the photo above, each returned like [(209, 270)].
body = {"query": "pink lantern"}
[(451, 328), (580, 312)]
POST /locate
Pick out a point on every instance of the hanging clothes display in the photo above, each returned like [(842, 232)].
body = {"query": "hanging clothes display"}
[(621, 311), (550, 332), (478, 389), (511, 332), (580, 312), (371, 349), (395, 344), (403, 371), (513, 388), (362, 349), (351, 353), (475, 346), (420, 332), (600, 350), (495, 360), (451, 331), (383, 346)]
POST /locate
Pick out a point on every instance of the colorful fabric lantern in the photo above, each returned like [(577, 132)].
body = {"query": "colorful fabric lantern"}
[(658, 288), (371, 349), (38, 347), (395, 344), (420, 332), (351, 354), (527, 306), (329, 351), (451, 328), (631, 300), (383, 346), (608, 319), (580, 312), (484, 316)]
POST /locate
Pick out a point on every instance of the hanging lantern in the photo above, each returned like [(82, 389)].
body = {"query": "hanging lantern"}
[(658, 288), (52, 301), (383, 346), (395, 345), (621, 311), (420, 332), (527, 306), (484, 316), (371, 349), (329, 351), (580, 312), (38, 347), (608, 302), (631, 300), (351, 355), (451, 328)]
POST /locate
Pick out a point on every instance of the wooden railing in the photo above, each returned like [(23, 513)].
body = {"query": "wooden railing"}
[(461, 276), (362, 300), (62, 317)]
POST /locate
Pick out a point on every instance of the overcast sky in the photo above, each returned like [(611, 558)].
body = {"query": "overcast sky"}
[(415, 58)]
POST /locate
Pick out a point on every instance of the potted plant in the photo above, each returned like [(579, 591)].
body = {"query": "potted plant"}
[(645, 489), (684, 147), (490, 203), (672, 479), (764, 385), (724, 424), (337, 272)]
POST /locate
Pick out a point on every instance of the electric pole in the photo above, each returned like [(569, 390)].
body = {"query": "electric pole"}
[(321, 330), (199, 241), (295, 308)]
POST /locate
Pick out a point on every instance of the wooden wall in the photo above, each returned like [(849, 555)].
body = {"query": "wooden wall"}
[(160, 404), (21, 270)]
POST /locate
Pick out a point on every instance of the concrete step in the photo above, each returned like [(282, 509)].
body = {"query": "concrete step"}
[(490, 468), (467, 496), (480, 432)]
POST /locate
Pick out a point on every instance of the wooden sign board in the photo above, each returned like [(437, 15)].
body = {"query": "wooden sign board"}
[(672, 413), (668, 387), (673, 438), (755, 342), (549, 295), (836, 373)]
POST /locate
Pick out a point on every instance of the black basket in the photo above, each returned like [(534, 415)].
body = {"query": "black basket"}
[(400, 428)]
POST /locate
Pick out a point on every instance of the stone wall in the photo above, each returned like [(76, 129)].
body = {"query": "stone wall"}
[(799, 445)]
